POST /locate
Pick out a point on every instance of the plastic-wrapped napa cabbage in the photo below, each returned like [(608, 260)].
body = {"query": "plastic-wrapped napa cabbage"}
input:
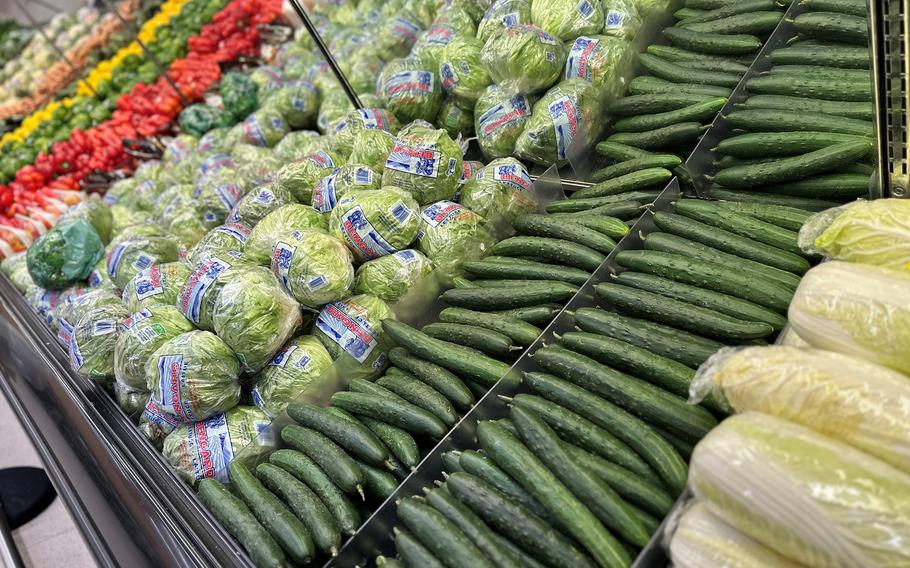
[(95, 212), (502, 188), (844, 398), (254, 316), (451, 234), (216, 194), (460, 71), (390, 277), (425, 162), (314, 266), (869, 232), (376, 223), (352, 326), (397, 34), (156, 285), (259, 202), (69, 310), (141, 334), (302, 364), (372, 147), (284, 220), (65, 254), (16, 269), (621, 19), (301, 176), (503, 14), (264, 127), (455, 120), (91, 348), (565, 123), (814, 500), (409, 87), (297, 145), (346, 179), (298, 105), (568, 19), (523, 58), (206, 449), (224, 241), (239, 94), (499, 118), (128, 258), (352, 125), (604, 61), (193, 376)]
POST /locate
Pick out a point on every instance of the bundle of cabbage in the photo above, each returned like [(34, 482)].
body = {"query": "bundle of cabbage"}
[(451, 234), (523, 58), (141, 335), (499, 118), (390, 277), (346, 179), (91, 348), (409, 87), (354, 123), (352, 327), (302, 366), (299, 177), (259, 202), (502, 188), (69, 312), (376, 223), (425, 162), (261, 241)]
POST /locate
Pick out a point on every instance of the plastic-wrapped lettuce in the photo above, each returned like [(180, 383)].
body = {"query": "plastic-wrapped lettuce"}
[(131, 256), (855, 309), (218, 161), (216, 193), (150, 170), (499, 118), (16, 269), (410, 88), (268, 79), (334, 106), (346, 179), (69, 310), (457, 16), (652, 8), (568, 19), (301, 176), (301, 364), (469, 169), (812, 499), (502, 188), (95, 212), (565, 123), (141, 334), (297, 145), (156, 285), (425, 162), (372, 147), (621, 19), (45, 304), (265, 127), (146, 194), (376, 223), (173, 200), (503, 14), (198, 119), (397, 34), (258, 203), (362, 70), (314, 266), (604, 61), (206, 449), (857, 402), (869, 232), (353, 326), (454, 120), (350, 127), (91, 348), (523, 58), (298, 105), (239, 94), (120, 192), (390, 277), (451, 234), (179, 149), (65, 254), (214, 141), (423, 11), (431, 44), (254, 316), (193, 376), (131, 401), (460, 71), (284, 220), (187, 228), (197, 296), (146, 228), (225, 241), (258, 165)]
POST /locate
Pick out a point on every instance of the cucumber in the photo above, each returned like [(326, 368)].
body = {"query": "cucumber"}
[(758, 22), (516, 522), (287, 530), (520, 332), (743, 225), (629, 166), (732, 9), (378, 482), (646, 85), (479, 464), (525, 269), (684, 447), (450, 461), (473, 528), (804, 203), (677, 73), (414, 554), (569, 512), (619, 151), (828, 55), (460, 282), (515, 283), (651, 403), (456, 358), (384, 562), (707, 299), (437, 377), (653, 103), (354, 438), (399, 441), (715, 65), (301, 500), (626, 209), (540, 315), (835, 186), (853, 75), (683, 347), (716, 44), (238, 520), (705, 4), (659, 454), (852, 7), (700, 112), (486, 299), (371, 388), (812, 88), (338, 465), (761, 144), (678, 55), (603, 224), (440, 535), (601, 205), (306, 470), (582, 432), (556, 250), (566, 229), (710, 275), (729, 242), (665, 137), (479, 338), (421, 395), (786, 217), (793, 168), (827, 25), (684, 13), (395, 412), (641, 179)]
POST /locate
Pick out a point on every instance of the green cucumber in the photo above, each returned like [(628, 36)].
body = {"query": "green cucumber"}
[(421, 395), (835, 186), (395, 412), (715, 44), (515, 283), (619, 151), (384, 562), (856, 75), (437, 377), (477, 463), (460, 282), (684, 447), (625, 209), (414, 554), (440, 535), (762, 144), (665, 137), (236, 517), (520, 332), (705, 4), (646, 85), (826, 25), (659, 454), (566, 229), (677, 55), (556, 250), (306, 470), (600, 205), (540, 315), (811, 87), (765, 120), (793, 168), (715, 65), (804, 203), (371, 388), (603, 224), (485, 299), (287, 530), (479, 338), (758, 22), (622, 168), (399, 442), (683, 347), (828, 55), (677, 73), (684, 13), (456, 358), (635, 105), (378, 482), (711, 213), (525, 269), (852, 7), (786, 217), (354, 438), (700, 112), (732, 9), (450, 461), (641, 179), (333, 460)]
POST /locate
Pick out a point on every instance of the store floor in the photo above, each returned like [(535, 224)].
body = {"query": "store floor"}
[(51, 539)]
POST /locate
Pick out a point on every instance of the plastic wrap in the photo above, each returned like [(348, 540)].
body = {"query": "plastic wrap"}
[(354, 123), (603, 61), (174, 200), (501, 189), (69, 311), (238, 93), (146, 194), (131, 401), (372, 147), (93, 210), (352, 327), (459, 123), (299, 177), (568, 19), (361, 71), (91, 347), (425, 162), (259, 244), (456, 15), (157, 285), (198, 119), (461, 73), (16, 269), (265, 127), (499, 118), (156, 425), (346, 179), (299, 105), (298, 145), (397, 34), (65, 254), (214, 141), (193, 376), (431, 44), (259, 202), (451, 234), (409, 87), (502, 14), (376, 223), (197, 296), (268, 79), (314, 266), (217, 192), (187, 228), (855, 309), (120, 192), (812, 499), (301, 364), (621, 19), (523, 58), (141, 334), (390, 277), (123, 217), (130, 257), (255, 165)]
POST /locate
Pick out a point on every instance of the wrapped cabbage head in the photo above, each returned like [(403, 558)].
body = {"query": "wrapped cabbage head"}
[(187, 228), (469, 169), (353, 327), (218, 161), (265, 127), (146, 194), (567, 19), (565, 123), (196, 299), (431, 44), (503, 14), (299, 106), (225, 241), (456, 121), (95, 212), (120, 192), (301, 365), (297, 145), (216, 193), (147, 228), (16, 269), (523, 58), (362, 71), (259, 202), (239, 94), (458, 17), (130, 257), (376, 223), (301, 176), (352, 125), (91, 348), (284, 220), (314, 266), (158, 284), (334, 105), (409, 87), (390, 277), (501, 189), (69, 311), (397, 34), (621, 19), (180, 149), (215, 140), (141, 334), (193, 376), (206, 449), (65, 254), (372, 147), (425, 162), (451, 234), (268, 79), (173, 200), (346, 179), (604, 61), (499, 118), (462, 75), (198, 119), (123, 218), (155, 425)]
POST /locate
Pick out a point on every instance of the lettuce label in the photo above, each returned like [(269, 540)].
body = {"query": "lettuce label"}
[(210, 449), (578, 62), (200, 280), (361, 234), (565, 123), (504, 114), (408, 83), (342, 324), (282, 255), (413, 160), (441, 212), (171, 381)]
